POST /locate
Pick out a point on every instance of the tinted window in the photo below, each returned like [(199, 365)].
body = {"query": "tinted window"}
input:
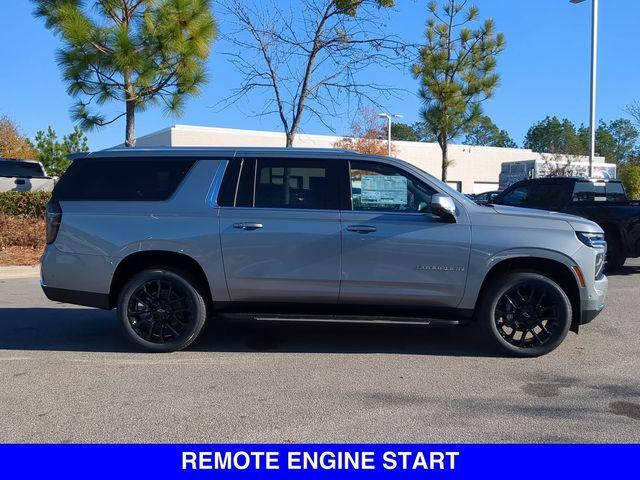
[(541, 196), (598, 192), (306, 184), (227, 195), (383, 188), (126, 179), (17, 168)]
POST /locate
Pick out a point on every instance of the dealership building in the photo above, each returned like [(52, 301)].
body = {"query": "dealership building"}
[(474, 169)]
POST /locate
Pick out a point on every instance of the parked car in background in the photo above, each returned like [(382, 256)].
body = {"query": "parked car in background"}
[(603, 201), (24, 176), (171, 237), (486, 197)]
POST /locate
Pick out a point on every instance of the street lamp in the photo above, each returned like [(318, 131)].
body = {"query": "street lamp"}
[(389, 117), (594, 70)]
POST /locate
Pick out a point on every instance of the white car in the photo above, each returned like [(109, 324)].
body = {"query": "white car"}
[(24, 176)]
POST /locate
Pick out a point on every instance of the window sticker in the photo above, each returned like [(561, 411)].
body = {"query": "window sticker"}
[(384, 190)]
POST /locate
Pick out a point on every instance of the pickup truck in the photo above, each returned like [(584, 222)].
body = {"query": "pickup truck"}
[(602, 201), (24, 176)]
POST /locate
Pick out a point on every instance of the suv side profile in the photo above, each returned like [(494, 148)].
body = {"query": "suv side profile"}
[(173, 237)]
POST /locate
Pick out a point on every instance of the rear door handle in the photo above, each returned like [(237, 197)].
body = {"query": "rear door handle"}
[(363, 229), (248, 226)]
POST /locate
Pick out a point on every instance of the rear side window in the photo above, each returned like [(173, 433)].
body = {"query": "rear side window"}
[(281, 183), (122, 179), (598, 192), (17, 168), (295, 184)]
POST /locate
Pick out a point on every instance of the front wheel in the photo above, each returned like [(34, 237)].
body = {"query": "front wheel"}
[(525, 314), (161, 310)]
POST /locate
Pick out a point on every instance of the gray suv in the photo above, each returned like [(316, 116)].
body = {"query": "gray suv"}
[(173, 237)]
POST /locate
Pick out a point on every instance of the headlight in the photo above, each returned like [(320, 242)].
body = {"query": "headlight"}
[(597, 242)]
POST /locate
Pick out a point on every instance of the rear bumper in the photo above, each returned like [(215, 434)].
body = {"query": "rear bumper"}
[(75, 297)]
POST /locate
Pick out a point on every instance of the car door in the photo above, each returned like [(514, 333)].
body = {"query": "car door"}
[(394, 251), (281, 235)]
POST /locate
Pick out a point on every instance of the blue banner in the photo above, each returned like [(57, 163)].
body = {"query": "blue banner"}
[(317, 461)]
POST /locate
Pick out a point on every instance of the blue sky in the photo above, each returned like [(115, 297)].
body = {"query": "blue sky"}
[(544, 70)]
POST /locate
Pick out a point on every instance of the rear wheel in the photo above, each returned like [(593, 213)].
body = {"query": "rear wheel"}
[(525, 314), (162, 310)]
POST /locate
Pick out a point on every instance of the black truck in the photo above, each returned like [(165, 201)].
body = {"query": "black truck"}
[(602, 201)]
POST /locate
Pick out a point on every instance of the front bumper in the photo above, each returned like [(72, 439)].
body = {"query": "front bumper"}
[(594, 301), (589, 315)]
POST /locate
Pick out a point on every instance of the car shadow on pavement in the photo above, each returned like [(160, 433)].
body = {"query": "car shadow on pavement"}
[(89, 330)]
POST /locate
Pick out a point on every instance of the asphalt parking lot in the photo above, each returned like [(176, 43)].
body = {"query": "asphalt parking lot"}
[(68, 375)]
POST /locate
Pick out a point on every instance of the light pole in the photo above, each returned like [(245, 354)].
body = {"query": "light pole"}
[(389, 117), (594, 71)]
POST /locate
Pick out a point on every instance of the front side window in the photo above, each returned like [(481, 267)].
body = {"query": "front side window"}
[(516, 197), (547, 196), (301, 184), (383, 188)]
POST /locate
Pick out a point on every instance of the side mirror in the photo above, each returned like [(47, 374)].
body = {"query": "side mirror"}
[(444, 207)]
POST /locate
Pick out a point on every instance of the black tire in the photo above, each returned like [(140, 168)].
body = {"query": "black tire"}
[(615, 255), (162, 310), (525, 302)]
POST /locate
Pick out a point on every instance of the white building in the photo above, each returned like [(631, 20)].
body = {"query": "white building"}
[(474, 169)]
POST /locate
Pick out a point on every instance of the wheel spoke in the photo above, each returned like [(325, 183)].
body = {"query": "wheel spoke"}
[(175, 332), (506, 296)]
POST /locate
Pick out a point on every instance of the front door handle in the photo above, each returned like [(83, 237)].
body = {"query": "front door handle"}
[(248, 226), (363, 229)]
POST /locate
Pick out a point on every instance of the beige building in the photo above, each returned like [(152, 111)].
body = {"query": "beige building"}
[(474, 169)]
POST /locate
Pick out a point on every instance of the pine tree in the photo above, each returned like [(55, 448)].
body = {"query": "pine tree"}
[(456, 69), (137, 52)]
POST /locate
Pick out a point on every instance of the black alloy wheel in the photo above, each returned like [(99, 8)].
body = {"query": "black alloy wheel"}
[(525, 314), (162, 310)]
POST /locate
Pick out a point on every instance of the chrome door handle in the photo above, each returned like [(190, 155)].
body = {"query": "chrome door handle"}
[(248, 226), (361, 229)]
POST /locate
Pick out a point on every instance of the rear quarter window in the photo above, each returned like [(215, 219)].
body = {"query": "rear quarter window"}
[(122, 179)]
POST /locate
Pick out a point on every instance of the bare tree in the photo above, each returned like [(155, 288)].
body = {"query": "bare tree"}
[(308, 59), (634, 111)]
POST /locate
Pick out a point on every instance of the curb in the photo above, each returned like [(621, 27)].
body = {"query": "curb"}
[(19, 272)]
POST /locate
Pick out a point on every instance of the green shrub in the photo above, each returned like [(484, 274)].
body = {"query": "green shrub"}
[(30, 204), (630, 176)]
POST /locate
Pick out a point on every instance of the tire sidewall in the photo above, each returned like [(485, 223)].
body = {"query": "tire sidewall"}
[(196, 299), (499, 288)]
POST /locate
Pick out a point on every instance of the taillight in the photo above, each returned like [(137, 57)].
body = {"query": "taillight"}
[(54, 218)]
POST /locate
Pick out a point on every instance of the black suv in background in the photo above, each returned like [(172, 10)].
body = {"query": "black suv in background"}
[(603, 201)]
